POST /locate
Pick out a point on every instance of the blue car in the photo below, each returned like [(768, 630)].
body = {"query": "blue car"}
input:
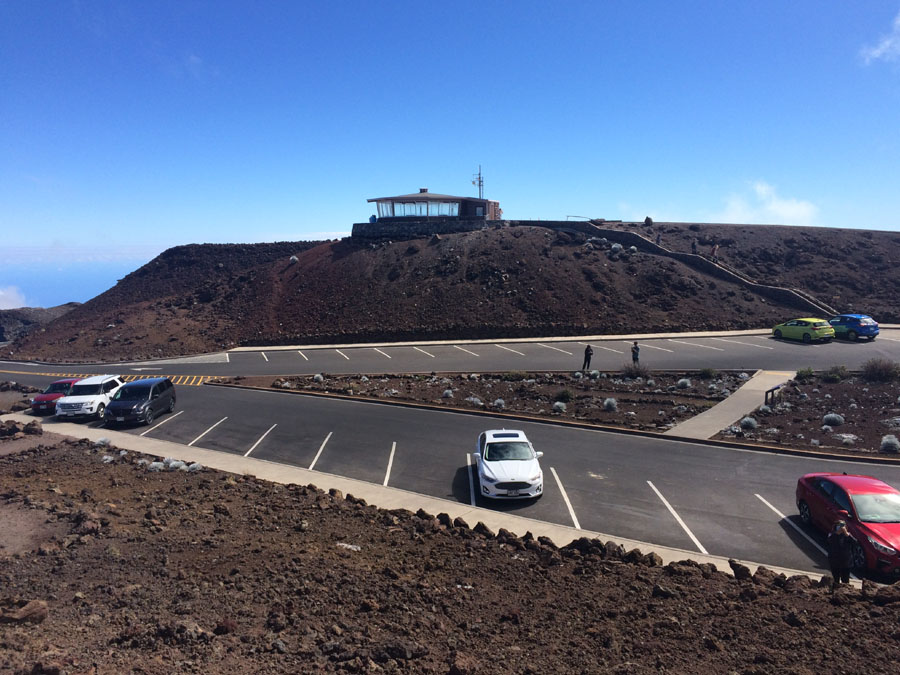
[(853, 326)]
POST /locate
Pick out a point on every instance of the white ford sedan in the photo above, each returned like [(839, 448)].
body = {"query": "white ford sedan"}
[(508, 466)]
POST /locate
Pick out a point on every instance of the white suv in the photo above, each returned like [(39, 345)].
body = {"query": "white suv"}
[(89, 397)]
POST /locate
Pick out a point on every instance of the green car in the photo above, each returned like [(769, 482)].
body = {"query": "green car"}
[(806, 329)]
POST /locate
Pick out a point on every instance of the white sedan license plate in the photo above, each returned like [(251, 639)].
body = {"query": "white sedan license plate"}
[(512, 493)]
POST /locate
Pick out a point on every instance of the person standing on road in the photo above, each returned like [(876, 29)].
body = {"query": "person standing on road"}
[(635, 354), (588, 353), (840, 554), (715, 253)]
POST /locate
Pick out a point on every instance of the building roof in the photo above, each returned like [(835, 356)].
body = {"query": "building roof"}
[(425, 197)]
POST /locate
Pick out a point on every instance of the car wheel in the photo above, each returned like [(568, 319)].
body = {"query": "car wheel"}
[(100, 410), (148, 416), (851, 335), (805, 516), (777, 334), (807, 337), (857, 558), (172, 404)]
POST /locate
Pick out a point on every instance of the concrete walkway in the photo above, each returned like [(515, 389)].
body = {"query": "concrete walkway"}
[(377, 495), (745, 400)]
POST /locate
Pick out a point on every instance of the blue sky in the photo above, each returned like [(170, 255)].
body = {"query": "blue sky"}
[(127, 128)]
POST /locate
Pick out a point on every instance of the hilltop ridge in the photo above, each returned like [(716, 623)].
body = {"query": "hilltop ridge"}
[(522, 281)]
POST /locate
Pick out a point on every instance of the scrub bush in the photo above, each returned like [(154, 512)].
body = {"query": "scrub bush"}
[(559, 407), (565, 396), (499, 404), (804, 375), (833, 420), (610, 405), (890, 444), (748, 424), (708, 373), (683, 383), (880, 370), (835, 374), (635, 371)]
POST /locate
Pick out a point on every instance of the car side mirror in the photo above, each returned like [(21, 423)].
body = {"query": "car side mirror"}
[(539, 454), (843, 513)]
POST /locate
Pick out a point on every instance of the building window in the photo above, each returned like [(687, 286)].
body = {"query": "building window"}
[(385, 209)]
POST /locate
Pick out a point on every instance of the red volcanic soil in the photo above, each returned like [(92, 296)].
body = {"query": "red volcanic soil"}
[(500, 282)]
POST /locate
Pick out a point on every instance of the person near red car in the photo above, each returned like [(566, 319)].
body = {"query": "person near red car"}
[(840, 554)]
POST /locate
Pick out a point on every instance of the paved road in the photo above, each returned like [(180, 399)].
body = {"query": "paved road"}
[(708, 499), (743, 352)]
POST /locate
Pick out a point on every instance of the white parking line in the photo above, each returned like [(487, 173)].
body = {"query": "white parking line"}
[(465, 350), (694, 344), (387, 474), (471, 480), (303, 355), (556, 348), (424, 352), (342, 354), (321, 448), (738, 342), (881, 337), (649, 346), (566, 499), (381, 352), (227, 357), (253, 447), (678, 518), (609, 349), (265, 357), (172, 417), (792, 524), (207, 431), (510, 350)]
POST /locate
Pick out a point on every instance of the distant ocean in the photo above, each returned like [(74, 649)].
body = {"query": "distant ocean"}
[(48, 284)]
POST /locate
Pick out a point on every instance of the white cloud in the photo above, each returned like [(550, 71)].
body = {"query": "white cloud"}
[(11, 298), (765, 207), (60, 252), (887, 49)]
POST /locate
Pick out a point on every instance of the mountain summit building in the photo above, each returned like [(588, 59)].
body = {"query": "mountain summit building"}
[(425, 205)]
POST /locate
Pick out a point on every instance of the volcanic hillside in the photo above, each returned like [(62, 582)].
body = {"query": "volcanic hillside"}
[(510, 282), (16, 323)]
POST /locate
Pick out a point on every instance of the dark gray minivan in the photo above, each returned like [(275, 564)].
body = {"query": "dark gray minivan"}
[(141, 401)]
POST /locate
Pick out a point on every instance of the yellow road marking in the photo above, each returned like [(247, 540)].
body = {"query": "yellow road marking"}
[(186, 380)]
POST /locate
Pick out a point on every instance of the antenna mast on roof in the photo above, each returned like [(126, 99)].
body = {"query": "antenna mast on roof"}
[(478, 180)]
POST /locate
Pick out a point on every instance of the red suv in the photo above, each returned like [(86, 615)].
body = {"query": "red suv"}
[(870, 507), (46, 402)]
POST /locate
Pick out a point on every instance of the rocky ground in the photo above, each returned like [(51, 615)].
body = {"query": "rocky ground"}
[(521, 281), (828, 411), (131, 570), (650, 401)]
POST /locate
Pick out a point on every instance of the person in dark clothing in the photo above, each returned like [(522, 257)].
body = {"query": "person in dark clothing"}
[(635, 353), (840, 554), (694, 247), (588, 353), (658, 238)]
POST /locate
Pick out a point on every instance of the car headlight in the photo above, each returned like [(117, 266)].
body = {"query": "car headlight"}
[(488, 479), (535, 478), (881, 548)]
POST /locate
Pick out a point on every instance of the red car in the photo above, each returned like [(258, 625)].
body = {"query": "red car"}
[(46, 402), (870, 507)]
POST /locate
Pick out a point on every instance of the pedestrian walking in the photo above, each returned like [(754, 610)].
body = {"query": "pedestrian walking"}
[(658, 238), (715, 253), (635, 353), (694, 246), (840, 554), (588, 353)]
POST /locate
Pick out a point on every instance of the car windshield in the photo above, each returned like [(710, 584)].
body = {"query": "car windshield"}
[(877, 508), (132, 394), (58, 388), (500, 452), (85, 390)]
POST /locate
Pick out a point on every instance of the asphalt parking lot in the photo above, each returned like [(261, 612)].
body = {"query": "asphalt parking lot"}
[(714, 500)]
